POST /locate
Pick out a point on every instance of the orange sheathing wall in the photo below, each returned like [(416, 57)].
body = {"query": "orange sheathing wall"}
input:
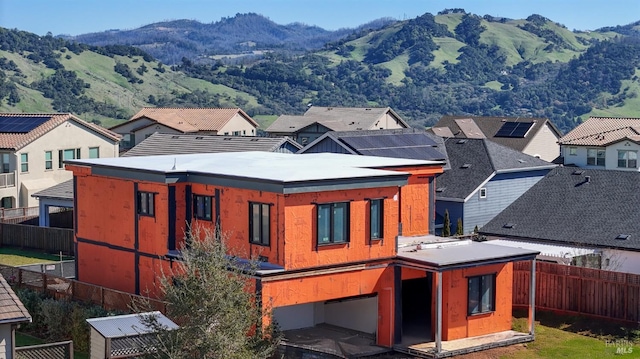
[(106, 210), (456, 324), (106, 267), (300, 231), (335, 286), (151, 271), (410, 273), (153, 231)]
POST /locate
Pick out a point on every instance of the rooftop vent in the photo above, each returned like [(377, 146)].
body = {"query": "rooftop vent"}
[(199, 138), (461, 142), (175, 136), (440, 189), (521, 161), (587, 179), (509, 225), (466, 165), (227, 138), (577, 172), (623, 236), (254, 139)]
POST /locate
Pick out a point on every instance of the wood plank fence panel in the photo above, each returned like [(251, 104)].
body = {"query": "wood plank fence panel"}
[(577, 290), (51, 240)]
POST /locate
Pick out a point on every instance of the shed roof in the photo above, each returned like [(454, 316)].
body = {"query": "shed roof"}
[(167, 144), (335, 119), (190, 119), (128, 325), (576, 206), (603, 131), (11, 308), (62, 190), (41, 124)]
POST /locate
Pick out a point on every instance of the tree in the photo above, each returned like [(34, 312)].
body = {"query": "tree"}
[(211, 298), (446, 229), (459, 228)]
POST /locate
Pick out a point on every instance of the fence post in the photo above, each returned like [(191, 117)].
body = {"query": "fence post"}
[(44, 283)]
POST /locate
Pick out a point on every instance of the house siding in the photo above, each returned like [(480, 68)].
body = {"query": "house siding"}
[(238, 124), (544, 145), (310, 133), (502, 190), (6, 342), (326, 145)]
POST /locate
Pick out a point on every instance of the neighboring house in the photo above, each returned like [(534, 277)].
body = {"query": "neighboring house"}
[(203, 121), (167, 144), (603, 142), (342, 240), (319, 120), (536, 137), (485, 177), (13, 313), (33, 148), (60, 195), (588, 213)]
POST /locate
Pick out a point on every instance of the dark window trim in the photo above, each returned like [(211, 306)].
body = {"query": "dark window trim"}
[(210, 207), (381, 220), (493, 297), (151, 202), (331, 224), (266, 242)]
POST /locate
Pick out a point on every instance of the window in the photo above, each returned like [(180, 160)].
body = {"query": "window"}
[(573, 151), (69, 154), (259, 223), (24, 162), (627, 159), (236, 133), (595, 157), (94, 152), (482, 298), (128, 140), (48, 160), (483, 193), (202, 207), (146, 203), (376, 215), (5, 163), (333, 223)]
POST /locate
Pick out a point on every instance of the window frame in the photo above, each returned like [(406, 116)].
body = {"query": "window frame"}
[(147, 198), (626, 158), (483, 285), (207, 204), (597, 157), (61, 156), (482, 193), (96, 149), (24, 162), (263, 223), (331, 225), (379, 215), (573, 151), (5, 162), (48, 163)]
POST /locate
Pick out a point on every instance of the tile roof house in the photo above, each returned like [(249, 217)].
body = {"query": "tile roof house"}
[(203, 121), (342, 241), (485, 177), (536, 137), (587, 211), (168, 144), (12, 313), (318, 120), (603, 142), (33, 148)]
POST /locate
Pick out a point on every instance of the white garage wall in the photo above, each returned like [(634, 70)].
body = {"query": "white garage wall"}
[(356, 314), (295, 316)]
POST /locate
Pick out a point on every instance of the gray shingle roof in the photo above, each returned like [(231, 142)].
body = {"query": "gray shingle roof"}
[(62, 190), (334, 118), (473, 161), (491, 125), (563, 207), (168, 144), (11, 308), (410, 143)]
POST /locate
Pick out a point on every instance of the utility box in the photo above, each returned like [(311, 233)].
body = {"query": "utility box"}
[(124, 336)]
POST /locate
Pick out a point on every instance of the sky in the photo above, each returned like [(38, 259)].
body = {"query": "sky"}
[(74, 17)]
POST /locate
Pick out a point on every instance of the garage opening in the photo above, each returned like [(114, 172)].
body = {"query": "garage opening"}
[(416, 309)]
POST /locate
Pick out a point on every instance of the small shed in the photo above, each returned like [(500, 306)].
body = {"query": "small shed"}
[(124, 336)]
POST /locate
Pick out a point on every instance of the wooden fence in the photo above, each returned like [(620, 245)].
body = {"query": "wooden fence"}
[(580, 291), (47, 239), (63, 288)]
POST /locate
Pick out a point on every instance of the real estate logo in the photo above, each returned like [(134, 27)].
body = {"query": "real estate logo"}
[(621, 346)]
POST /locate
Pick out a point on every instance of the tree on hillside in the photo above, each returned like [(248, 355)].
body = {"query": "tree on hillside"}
[(210, 297)]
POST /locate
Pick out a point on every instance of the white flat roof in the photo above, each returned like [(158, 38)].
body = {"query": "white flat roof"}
[(547, 251), (271, 166), (126, 325)]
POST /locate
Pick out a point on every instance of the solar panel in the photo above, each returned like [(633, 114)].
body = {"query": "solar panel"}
[(20, 124), (514, 129)]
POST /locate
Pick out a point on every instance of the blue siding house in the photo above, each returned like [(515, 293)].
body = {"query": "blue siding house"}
[(483, 180)]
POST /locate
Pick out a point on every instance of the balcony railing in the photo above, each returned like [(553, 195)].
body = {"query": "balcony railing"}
[(7, 179)]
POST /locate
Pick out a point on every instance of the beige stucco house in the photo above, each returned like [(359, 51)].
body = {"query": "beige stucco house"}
[(205, 121), (537, 137), (33, 148)]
